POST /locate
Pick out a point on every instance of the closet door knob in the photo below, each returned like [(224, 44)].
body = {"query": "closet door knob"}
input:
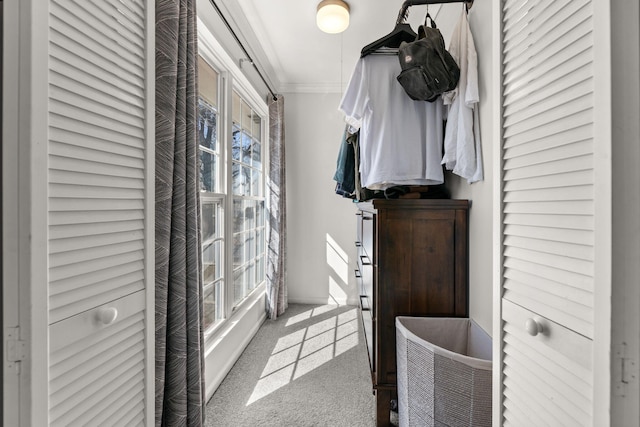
[(533, 327), (107, 315)]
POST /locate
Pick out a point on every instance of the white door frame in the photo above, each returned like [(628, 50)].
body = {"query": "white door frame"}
[(625, 38), (25, 85), (12, 387)]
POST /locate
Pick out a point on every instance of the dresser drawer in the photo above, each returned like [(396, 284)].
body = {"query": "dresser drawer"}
[(547, 369), (368, 220)]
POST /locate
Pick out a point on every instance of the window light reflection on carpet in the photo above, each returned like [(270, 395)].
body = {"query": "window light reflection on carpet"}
[(304, 350)]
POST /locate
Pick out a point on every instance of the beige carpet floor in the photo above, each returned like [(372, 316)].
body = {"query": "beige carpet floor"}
[(308, 368)]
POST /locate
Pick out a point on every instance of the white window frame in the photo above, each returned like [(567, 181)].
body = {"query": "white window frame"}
[(226, 340)]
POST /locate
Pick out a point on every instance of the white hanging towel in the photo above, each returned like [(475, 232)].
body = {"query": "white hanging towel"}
[(462, 145)]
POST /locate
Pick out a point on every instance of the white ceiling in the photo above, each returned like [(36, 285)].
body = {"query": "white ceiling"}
[(295, 55)]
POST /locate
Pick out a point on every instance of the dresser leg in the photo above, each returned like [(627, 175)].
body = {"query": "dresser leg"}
[(383, 407)]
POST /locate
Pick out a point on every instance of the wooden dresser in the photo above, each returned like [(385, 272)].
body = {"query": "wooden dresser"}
[(412, 261)]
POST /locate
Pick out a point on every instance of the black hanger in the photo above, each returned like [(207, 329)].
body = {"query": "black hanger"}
[(401, 33)]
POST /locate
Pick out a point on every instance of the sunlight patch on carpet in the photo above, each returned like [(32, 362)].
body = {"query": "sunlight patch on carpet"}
[(305, 350), (311, 313)]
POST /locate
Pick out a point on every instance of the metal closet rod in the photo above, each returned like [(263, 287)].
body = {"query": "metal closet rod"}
[(233, 33), (408, 3)]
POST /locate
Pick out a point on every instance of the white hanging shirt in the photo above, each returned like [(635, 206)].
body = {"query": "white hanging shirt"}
[(462, 145), (400, 139)]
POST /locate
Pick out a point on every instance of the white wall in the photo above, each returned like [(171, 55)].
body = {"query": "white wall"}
[(321, 225), (480, 193)]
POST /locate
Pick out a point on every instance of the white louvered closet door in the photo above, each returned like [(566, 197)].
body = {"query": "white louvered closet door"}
[(548, 212), (100, 215)]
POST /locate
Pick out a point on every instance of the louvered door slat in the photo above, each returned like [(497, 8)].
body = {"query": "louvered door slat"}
[(578, 178), (552, 247), (548, 221), (101, 108), (583, 207), (555, 128), (94, 71), (117, 28), (130, 13), (529, 100), (99, 168), (98, 210), (577, 192), (66, 177), (119, 155), (114, 100), (543, 45), (515, 18), (567, 150), (572, 222), (127, 402), (102, 38), (547, 113), (552, 16), (90, 204), (549, 286), (70, 111), (82, 298)]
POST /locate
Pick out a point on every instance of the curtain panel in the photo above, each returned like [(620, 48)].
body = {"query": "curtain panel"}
[(179, 377), (276, 189)]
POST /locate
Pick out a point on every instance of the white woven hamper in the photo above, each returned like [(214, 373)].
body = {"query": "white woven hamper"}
[(444, 372)]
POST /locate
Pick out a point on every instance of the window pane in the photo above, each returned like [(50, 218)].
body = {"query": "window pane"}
[(238, 216), (246, 148), (239, 285), (238, 249), (250, 214), (212, 260), (217, 259), (207, 82), (237, 180), (246, 181), (249, 245), (257, 127), (251, 277), (260, 213), (246, 117), (236, 145), (256, 155), (259, 270), (208, 171), (210, 309), (207, 125), (209, 221), (256, 188), (260, 241), (237, 117)]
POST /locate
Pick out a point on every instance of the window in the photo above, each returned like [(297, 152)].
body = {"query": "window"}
[(211, 197), (248, 200), (238, 154)]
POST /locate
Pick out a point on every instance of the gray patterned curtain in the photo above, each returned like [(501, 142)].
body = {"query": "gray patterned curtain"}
[(276, 286), (179, 336)]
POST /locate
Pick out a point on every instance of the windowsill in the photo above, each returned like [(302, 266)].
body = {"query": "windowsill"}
[(212, 336), (226, 342)]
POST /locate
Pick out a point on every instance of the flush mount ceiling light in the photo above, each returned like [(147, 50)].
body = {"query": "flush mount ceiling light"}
[(332, 16)]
